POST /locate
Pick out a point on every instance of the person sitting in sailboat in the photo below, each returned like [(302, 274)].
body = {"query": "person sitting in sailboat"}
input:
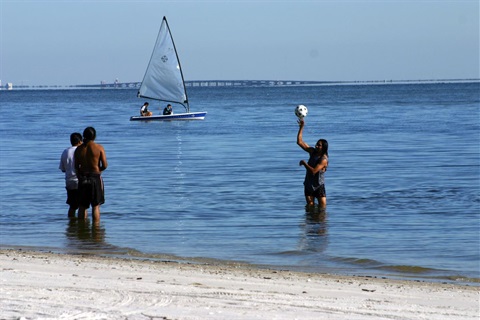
[(168, 110), (144, 112)]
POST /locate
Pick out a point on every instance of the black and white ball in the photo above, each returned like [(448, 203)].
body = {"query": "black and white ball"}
[(301, 111)]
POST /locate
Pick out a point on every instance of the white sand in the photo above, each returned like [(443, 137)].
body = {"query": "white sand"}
[(37, 285)]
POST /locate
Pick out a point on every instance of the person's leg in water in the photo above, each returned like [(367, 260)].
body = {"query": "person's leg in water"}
[(321, 196), (322, 202), (71, 212), (96, 213), (310, 202), (82, 213)]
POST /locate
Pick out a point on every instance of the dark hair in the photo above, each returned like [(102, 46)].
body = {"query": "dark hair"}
[(89, 134), (75, 138), (324, 146)]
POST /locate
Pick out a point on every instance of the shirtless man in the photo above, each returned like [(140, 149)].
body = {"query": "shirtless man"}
[(90, 161)]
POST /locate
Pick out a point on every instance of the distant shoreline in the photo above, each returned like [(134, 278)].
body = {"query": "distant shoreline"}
[(237, 84)]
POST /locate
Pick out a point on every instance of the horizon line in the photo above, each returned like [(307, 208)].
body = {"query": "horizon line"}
[(239, 83)]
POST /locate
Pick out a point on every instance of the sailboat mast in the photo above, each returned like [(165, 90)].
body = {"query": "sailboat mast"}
[(187, 106)]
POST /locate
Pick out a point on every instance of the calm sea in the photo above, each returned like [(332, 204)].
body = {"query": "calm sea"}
[(403, 184)]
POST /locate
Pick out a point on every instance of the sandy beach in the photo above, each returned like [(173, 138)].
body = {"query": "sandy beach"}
[(38, 285)]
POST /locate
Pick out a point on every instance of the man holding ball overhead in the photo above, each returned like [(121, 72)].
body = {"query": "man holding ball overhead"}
[(314, 183)]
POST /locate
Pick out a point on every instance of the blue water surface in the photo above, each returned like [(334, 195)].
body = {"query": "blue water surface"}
[(402, 185)]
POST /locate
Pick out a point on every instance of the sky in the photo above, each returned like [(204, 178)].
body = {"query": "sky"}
[(66, 42)]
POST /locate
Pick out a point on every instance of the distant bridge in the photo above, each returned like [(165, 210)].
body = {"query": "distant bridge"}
[(215, 83), (271, 83), (239, 83)]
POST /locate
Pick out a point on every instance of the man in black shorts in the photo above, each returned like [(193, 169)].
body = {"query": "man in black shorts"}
[(314, 183), (90, 162)]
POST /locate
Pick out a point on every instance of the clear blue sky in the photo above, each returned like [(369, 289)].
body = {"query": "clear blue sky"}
[(84, 42)]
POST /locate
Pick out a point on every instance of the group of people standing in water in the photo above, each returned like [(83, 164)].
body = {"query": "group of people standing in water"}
[(84, 162)]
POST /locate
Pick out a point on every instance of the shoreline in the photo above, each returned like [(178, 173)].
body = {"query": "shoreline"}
[(52, 285), (385, 272)]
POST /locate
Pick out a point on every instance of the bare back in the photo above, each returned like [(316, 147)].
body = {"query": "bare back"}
[(90, 158)]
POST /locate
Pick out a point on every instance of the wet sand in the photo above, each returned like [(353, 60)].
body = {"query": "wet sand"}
[(38, 285)]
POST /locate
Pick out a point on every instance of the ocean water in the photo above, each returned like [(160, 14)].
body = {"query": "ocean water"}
[(403, 184)]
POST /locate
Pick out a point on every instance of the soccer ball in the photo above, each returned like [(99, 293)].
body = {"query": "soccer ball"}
[(301, 111)]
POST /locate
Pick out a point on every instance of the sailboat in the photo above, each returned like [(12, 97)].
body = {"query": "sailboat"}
[(163, 80)]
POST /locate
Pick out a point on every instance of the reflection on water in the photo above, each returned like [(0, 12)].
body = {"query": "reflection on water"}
[(83, 234), (317, 221), (315, 231), (179, 185)]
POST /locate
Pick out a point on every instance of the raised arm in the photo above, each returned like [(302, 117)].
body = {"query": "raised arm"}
[(300, 141)]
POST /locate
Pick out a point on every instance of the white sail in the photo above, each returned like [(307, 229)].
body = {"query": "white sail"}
[(163, 79)]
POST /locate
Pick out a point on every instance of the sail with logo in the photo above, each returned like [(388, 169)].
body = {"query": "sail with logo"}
[(163, 80)]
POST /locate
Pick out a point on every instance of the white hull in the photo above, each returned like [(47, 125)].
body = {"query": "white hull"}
[(175, 116)]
